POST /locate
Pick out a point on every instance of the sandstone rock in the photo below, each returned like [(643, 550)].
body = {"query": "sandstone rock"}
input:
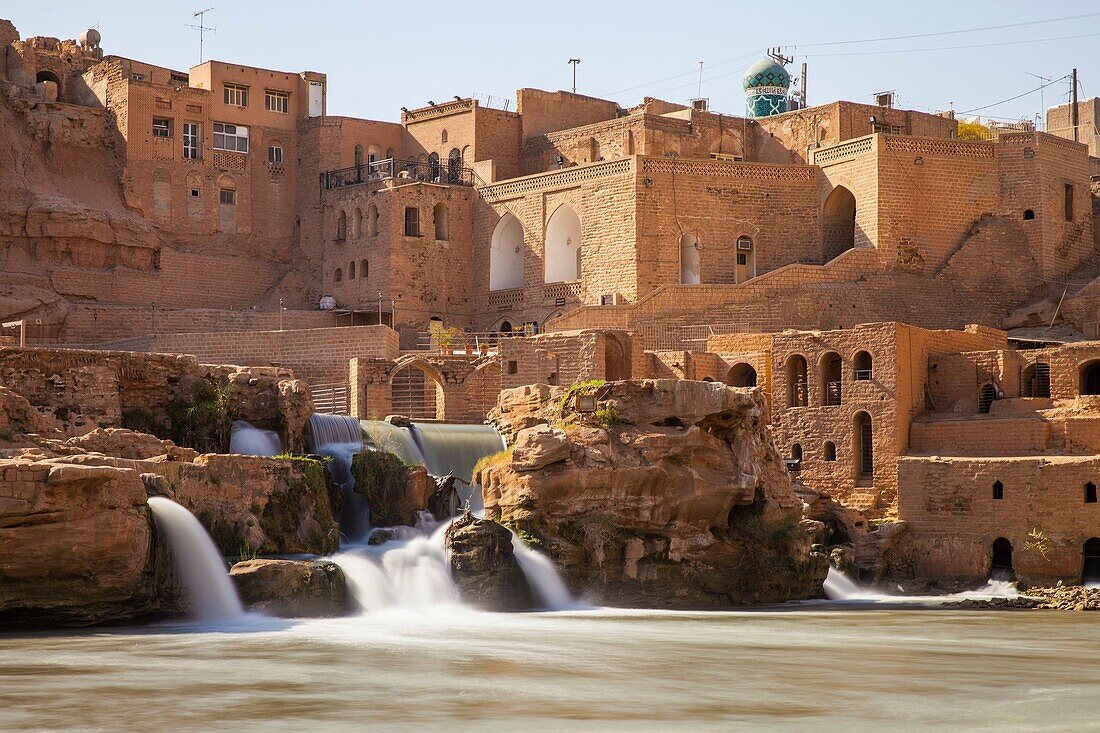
[(1066, 598), (395, 492), (125, 443), (18, 416), (444, 501), (292, 588), (538, 447), (484, 566), (696, 509), (78, 547)]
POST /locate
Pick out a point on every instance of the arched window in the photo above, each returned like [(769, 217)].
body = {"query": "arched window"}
[(1035, 381), (745, 268), (741, 375), (998, 490), (47, 75), (358, 155), (351, 270), (454, 165), (372, 220), (506, 254), (338, 276), (1090, 565), (389, 153), (373, 154), (796, 452), (1090, 378), (341, 227), (864, 446), (1001, 563), (829, 450), (1029, 214), (689, 260), (830, 378), (442, 228), (356, 224), (443, 137), (433, 166), (505, 327), (838, 222), (1090, 493), (563, 246), (364, 269), (862, 365), (796, 380)]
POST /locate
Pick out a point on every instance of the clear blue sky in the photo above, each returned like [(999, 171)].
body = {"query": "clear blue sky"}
[(380, 56)]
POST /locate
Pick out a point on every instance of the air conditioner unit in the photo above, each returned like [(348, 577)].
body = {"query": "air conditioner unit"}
[(744, 244), (700, 105), (884, 99), (609, 299)]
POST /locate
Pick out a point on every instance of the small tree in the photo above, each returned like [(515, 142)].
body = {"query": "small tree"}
[(974, 131)]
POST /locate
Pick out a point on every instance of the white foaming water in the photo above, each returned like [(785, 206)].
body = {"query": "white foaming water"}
[(327, 429), (411, 571), (542, 577), (839, 587), (994, 588), (247, 440), (212, 594)]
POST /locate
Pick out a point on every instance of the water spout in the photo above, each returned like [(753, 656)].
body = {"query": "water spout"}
[(212, 594), (247, 440), (542, 577)]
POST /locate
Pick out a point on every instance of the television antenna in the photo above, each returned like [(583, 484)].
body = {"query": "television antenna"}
[(201, 27)]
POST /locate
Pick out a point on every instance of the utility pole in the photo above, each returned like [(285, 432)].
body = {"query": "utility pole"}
[(379, 307), (1073, 97), (699, 91), (1043, 81), (574, 63), (201, 27), (280, 314), (805, 103)]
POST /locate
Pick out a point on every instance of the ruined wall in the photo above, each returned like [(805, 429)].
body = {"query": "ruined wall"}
[(545, 112)]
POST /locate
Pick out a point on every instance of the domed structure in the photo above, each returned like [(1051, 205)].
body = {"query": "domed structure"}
[(766, 84)]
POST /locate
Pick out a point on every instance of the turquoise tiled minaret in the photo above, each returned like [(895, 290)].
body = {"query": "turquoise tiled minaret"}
[(766, 85)]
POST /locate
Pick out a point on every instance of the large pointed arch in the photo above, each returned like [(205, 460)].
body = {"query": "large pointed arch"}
[(506, 254), (562, 255), (838, 217)]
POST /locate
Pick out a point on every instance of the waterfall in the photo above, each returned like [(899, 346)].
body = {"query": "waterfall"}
[(212, 594), (340, 437), (839, 587), (392, 439), (246, 440), (411, 571), (456, 449), (542, 577)]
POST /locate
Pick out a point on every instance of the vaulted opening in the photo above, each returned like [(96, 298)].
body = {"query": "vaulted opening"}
[(741, 375), (506, 254), (838, 222), (563, 246), (1001, 563)]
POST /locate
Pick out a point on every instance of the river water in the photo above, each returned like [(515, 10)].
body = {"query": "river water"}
[(810, 667)]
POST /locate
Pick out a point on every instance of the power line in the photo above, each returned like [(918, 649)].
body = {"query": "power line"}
[(950, 33), (1011, 99), (952, 48), (686, 73)]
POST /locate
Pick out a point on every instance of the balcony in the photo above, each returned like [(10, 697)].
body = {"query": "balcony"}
[(443, 172), (832, 394), (569, 290)]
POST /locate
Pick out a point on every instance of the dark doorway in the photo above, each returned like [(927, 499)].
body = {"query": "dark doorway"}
[(1001, 567), (1090, 563), (1090, 378)]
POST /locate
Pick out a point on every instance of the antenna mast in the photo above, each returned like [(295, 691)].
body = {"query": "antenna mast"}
[(201, 27)]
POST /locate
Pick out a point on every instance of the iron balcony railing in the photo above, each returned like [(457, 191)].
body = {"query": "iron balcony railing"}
[(832, 393), (863, 375), (450, 172)]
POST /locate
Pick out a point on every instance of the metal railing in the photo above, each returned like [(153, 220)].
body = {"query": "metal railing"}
[(832, 393), (463, 343), (863, 375), (449, 172)]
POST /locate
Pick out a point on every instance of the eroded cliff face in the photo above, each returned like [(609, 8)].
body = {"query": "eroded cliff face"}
[(671, 494)]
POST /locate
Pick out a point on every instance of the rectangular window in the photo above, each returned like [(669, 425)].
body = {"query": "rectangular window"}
[(1069, 202), (230, 137), (274, 154), (162, 127), (138, 77), (412, 221), (742, 259), (276, 101), (236, 95), (192, 141), (227, 196)]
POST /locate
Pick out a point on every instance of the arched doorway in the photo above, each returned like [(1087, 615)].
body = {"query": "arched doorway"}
[(563, 246), (358, 155), (1090, 561), (864, 449), (506, 254), (616, 366), (433, 166), (986, 398), (741, 375), (838, 217), (1001, 563), (861, 365), (830, 378), (416, 394), (454, 165), (1090, 378), (689, 260), (745, 268), (1035, 381), (797, 381), (442, 224)]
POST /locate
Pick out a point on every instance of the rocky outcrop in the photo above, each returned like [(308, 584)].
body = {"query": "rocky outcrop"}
[(484, 566), (18, 417), (122, 443), (78, 547), (672, 495), (292, 588), (394, 491)]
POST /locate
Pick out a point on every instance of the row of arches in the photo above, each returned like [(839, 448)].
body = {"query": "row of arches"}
[(363, 272), (1089, 491), (562, 252), (863, 448), (830, 377), (352, 227), (1001, 567)]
